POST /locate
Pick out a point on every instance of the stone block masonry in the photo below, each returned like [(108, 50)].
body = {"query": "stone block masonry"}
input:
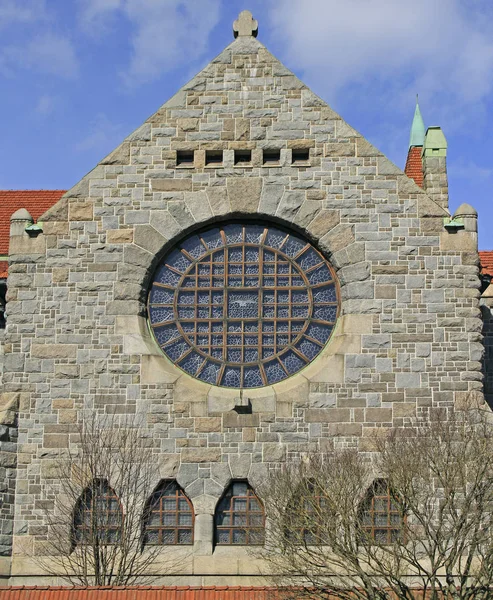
[(408, 337)]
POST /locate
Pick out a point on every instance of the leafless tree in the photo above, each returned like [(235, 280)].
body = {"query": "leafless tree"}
[(429, 538), (99, 490)]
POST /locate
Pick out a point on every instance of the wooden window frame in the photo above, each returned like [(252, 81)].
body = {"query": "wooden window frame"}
[(85, 505), (393, 508), (156, 500), (248, 513)]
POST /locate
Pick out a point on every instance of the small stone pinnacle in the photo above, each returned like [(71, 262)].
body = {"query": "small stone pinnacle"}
[(245, 25)]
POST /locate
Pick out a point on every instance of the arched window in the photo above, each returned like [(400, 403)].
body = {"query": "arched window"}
[(382, 517), (240, 517), (307, 516), (168, 516), (98, 515)]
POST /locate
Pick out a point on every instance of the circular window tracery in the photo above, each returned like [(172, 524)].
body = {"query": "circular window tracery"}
[(242, 305)]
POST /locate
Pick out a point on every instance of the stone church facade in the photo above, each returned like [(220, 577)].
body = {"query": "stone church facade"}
[(245, 149)]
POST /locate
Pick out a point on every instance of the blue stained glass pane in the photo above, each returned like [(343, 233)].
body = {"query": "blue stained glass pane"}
[(319, 332), (202, 340), (297, 326), (203, 297), (269, 256), (235, 255), (218, 269), (217, 353), (282, 297), (216, 327), (217, 312), (269, 297), (235, 269), (218, 282), (161, 314), (234, 355), (202, 313), (267, 352), (293, 246), (274, 372), (269, 312), (178, 261), (251, 269), (235, 281), (292, 362), (325, 313), (217, 340), (167, 277), (189, 282), (213, 238), (283, 281), (203, 327), (282, 340), (161, 296), (194, 246), (234, 340), (251, 340), (325, 294), (166, 334), (267, 326), (186, 313), (252, 377), (274, 238), (231, 377), (267, 340), (251, 355), (320, 275), (269, 269), (254, 233), (234, 327), (186, 298), (188, 327), (204, 269), (283, 312), (252, 254), (210, 373), (177, 349), (309, 349), (298, 296), (250, 327), (299, 311), (234, 233), (191, 363), (218, 256), (309, 259), (297, 282), (283, 268), (269, 281)]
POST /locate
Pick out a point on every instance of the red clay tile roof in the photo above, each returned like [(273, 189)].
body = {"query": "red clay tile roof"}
[(486, 259), (36, 202), (138, 593), (414, 165)]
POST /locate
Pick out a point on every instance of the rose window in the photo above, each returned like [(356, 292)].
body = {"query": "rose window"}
[(243, 306)]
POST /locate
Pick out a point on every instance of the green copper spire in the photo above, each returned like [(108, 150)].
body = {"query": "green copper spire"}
[(418, 130)]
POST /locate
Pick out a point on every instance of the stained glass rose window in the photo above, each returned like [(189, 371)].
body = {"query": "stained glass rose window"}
[(242, 305)]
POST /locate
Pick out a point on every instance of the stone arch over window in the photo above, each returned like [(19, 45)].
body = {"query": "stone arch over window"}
[(239, 519), (98, 515), (168, 516), (382, 517)]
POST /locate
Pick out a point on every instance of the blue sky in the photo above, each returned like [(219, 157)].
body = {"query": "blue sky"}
[(77, 76)]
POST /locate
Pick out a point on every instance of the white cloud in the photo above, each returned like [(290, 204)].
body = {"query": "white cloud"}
[(47, 53), (471, 171), (439, 47), (46, 105), (12, 12), (166, 34), (103, 136)]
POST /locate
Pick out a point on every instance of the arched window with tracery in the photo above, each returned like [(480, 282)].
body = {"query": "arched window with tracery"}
[(382, 517), (98, 515), (168, 516), (240, 517)]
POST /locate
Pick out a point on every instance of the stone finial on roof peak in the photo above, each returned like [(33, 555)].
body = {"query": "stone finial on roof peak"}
[(245, 25)]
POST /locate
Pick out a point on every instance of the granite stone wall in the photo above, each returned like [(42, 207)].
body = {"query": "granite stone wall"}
[(408, 339)]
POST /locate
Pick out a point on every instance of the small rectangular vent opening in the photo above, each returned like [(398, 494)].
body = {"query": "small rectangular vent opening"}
[(184, 157), (272, 157), (213, 157), (301, 155), (243, 157)]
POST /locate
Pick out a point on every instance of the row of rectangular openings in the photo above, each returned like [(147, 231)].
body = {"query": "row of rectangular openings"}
[(242, 157)]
